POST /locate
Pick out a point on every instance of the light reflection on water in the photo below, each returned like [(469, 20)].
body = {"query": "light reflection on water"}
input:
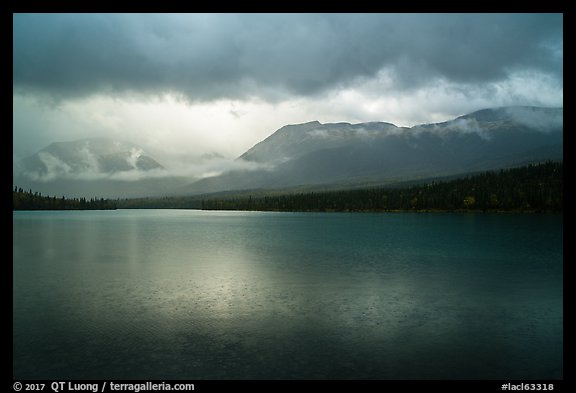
[(191, 295)]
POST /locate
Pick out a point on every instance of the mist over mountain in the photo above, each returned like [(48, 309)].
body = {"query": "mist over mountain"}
[(312, 155), (315, 154), (110, 168), (95, 167), (86, 159)]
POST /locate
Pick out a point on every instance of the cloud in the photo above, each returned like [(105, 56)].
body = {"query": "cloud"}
[(182, 85), (133, 157), (460, 125), (203, 57), (442, 99), (536, 119), (54, 169)]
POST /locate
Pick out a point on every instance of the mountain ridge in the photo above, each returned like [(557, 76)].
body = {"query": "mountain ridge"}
[(315, 153), (310, 155), (96, 156)]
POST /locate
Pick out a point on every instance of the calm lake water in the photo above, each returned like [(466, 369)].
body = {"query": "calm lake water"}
[(184, 294)]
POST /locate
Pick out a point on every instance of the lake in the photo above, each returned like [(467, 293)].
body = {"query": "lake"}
[(188, 294)]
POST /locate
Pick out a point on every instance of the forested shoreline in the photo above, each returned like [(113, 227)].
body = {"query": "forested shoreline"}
[(532, 188), (29, 200)]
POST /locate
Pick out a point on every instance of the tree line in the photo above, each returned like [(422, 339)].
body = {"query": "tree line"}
[(532, 188), (172, 202), (28, 200)]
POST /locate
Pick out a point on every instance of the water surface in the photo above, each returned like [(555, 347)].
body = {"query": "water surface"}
[(184, 294)]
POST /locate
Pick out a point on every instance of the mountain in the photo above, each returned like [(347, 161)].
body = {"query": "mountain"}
[(306, 156), (95, 157), (99, 167), (343, 154)]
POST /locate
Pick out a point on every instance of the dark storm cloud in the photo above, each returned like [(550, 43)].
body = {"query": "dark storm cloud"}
[(205, 57)]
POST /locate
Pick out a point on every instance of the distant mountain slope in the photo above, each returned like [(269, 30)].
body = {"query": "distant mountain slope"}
[(294, 141), (342, 153), (85, 158), (93, 167)]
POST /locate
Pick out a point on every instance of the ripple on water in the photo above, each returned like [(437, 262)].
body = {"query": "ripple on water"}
[(163, 295)]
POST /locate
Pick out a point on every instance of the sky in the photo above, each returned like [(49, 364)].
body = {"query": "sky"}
[(181, 86)]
